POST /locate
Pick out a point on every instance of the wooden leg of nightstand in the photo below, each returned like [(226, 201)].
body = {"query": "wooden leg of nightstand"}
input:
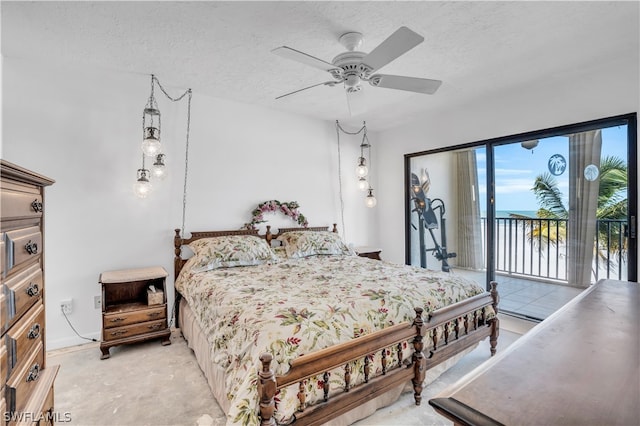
[(166, 341)]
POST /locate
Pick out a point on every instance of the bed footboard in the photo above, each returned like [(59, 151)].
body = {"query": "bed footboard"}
[(446, 332)]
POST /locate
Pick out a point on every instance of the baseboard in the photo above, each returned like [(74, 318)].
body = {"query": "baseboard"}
[(71, 341)]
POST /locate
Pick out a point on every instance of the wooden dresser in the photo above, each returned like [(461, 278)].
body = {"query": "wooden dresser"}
[(27, 382), (580, 366)]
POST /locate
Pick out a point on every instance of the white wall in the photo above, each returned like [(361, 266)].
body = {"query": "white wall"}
[(83, 129), (602, 89)]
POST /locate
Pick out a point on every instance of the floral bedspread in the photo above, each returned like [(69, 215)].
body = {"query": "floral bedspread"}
[(298, 306)]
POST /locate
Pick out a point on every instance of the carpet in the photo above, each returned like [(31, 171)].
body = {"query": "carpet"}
[(151, 384)]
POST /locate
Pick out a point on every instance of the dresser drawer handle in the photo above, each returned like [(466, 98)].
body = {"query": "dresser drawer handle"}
[(34, 332), (34, 373), (31, 248), (118, 319), (33, 290), (118, 333), (154, 314), (36, 206), (155, 327)]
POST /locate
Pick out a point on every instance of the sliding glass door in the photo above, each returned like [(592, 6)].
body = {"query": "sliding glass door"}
[(546, 214)]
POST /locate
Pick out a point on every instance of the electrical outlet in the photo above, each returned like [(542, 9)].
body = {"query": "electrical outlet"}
[(66, 306), (97, 302)]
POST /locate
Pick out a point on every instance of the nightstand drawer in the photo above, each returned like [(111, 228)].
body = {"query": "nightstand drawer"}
[(23, 245), (25, 379), (118, 319), (23, 291), (24, 335), (134, 330)]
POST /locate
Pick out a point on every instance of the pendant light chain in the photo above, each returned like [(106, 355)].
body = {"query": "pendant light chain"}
[(344, 231), (361, 170), (151, 110), (188, 93), (186, 163)]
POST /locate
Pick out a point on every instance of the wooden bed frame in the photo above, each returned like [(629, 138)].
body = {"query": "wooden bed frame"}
[(463, 322)]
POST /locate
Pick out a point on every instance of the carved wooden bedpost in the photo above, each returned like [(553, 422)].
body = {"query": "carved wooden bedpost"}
[(268, 236), (419, 361), (177, 244), (495, 324), (266, 391)]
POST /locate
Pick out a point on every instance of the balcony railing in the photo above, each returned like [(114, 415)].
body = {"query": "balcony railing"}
[(537, 247)]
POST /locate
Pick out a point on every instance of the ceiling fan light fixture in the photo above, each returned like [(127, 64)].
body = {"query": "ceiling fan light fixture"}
[(352, 80)]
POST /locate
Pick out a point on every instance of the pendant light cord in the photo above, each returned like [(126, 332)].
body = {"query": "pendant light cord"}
[(338, 130), (189, 95)]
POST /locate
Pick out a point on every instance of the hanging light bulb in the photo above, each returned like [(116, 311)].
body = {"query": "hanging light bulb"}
[(142, 187), (151, 143), (370, 201), (361, 170), (159, 169), (363, 185)]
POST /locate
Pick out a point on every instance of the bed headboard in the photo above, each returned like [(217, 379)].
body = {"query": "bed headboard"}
[(178, 241)]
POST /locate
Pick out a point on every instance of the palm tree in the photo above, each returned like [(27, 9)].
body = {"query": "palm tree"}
[(612, 205)]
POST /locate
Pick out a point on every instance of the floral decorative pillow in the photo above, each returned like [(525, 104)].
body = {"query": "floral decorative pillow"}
[(230, 251), (311, 243)]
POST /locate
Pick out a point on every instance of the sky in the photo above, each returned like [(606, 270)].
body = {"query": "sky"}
[(517, 168)]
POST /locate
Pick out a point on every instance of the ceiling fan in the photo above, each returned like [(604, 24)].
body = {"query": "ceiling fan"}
[(354, 67)]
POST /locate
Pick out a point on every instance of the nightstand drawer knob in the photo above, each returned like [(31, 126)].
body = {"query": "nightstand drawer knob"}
[(118, 319), (36, 206), (118, 333), (34, 332), (34, 373), (33, 290), (154, 314), (31, 248), (155, 326)]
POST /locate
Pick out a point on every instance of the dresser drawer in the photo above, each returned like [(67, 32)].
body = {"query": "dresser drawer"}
[(4, 363), (3, 409), (20, 201), (24, 379), (24, 335), (119, 319), (23, 245), (3, 254), (4, 308), (23, 291), (134, 330)]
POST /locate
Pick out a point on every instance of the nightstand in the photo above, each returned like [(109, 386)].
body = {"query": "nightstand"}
[(130, 311), (370, 252)]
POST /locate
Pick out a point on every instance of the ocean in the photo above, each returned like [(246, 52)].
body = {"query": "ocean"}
[(507, 213)]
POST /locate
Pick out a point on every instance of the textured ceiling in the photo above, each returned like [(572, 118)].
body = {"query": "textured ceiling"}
[(223, 49)]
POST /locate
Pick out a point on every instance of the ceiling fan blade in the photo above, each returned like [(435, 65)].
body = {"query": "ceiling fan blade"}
[(356, 101), (327, 83), (410, 84), (397, 44), (298, 56)]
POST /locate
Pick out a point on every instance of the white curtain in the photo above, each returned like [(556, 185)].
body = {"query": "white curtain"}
[(584, 149), (469, 253)]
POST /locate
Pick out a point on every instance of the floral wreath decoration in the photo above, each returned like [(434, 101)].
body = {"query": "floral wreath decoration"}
[(289, 208)]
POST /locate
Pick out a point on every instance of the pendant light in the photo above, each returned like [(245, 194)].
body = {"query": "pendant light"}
[(370, 200), (142, 187), (159, 169)]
